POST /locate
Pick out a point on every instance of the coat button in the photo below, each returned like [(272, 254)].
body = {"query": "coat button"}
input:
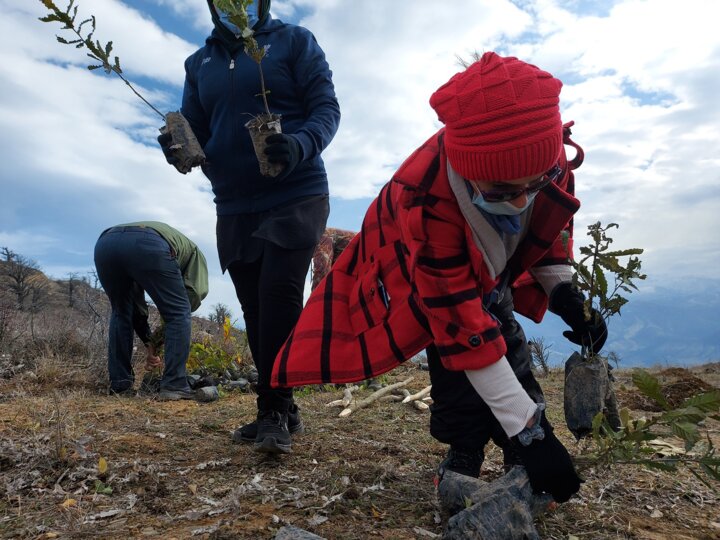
[(474, 341)]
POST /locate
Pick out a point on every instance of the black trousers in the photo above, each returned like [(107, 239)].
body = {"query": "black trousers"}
[(270, 291), (459, 416)]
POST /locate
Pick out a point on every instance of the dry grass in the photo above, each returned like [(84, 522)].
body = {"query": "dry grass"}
[(174, 473)]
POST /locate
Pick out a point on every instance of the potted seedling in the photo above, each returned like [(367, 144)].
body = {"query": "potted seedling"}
[(588, 388), (267, 123), (187, 149)]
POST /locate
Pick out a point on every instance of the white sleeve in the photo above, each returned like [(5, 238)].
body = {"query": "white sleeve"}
[(498, 386), (551, 276)]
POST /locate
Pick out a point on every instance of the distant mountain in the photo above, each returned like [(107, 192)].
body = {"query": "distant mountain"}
[(664, 326)]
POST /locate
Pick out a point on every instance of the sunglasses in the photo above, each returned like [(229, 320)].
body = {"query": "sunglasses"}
[(504, 194)]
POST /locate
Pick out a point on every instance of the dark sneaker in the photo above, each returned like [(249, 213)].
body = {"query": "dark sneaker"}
[(461, 461), (273, 436), (248, 432), (175, 395)]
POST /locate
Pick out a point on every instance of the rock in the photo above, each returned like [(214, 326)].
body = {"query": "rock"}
[(206, 394), (252, 375), (500, 510), (240, 384), (290, 532), (207, 380)]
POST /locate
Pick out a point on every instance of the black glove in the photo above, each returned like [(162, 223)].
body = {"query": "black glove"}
[(285, 149), (546, 460), (165, 140), (568, 302)]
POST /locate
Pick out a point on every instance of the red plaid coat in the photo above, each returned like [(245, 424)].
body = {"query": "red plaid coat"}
[(413, 276)]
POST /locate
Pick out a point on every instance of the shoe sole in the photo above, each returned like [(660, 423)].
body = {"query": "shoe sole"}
[(297, 430), (269, 445), (173, 397)]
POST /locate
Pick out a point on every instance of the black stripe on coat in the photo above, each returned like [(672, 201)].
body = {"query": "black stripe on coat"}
[(451, 300), (388, 201), (402, 263), (540, 242), (325, 370), (458, 348), (365, 309), (419, 315), (444, 263), (551, 262), (367, 370), (393, 345), (557, 197), (378, 217)]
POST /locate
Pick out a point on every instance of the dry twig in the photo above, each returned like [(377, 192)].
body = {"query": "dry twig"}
[(373, 397)]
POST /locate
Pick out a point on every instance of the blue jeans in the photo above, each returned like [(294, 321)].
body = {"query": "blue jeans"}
[(125, 256)]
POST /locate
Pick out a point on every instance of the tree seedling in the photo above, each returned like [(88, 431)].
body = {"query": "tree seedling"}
[(81, 36)]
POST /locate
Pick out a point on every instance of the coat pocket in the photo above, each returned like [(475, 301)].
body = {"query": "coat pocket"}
[(369, 300)]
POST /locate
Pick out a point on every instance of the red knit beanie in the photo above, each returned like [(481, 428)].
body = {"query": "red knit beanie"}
[(502, 119)]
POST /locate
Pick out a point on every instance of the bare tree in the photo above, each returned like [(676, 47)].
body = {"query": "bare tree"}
[(71, 285), (6, 316), (39, 297), (93, 275), (19, 271), (540, 354), (7, 253), (220, 313)]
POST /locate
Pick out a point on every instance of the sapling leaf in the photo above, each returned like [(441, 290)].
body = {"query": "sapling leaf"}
[(585, 274), (711, 466), (625, 252), (650, 387), (97, 51), (602, 286), (687, 414), (625, 418), (687, 432), (102, 488), (667, 466), (706, 402)]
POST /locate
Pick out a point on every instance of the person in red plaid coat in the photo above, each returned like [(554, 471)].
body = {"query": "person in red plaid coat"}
[(475, 224)]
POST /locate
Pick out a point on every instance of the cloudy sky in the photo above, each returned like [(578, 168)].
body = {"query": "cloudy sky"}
[(642, 80)]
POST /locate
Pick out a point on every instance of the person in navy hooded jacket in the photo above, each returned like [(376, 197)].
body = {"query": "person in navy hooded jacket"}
[(267, 227)]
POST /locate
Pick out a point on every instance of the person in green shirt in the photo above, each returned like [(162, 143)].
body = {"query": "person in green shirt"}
[(151, 257)]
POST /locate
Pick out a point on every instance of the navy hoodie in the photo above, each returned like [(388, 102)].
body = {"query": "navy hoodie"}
[(222, 93)]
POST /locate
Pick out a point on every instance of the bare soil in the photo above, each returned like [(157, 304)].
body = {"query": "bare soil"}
[(172, 471)]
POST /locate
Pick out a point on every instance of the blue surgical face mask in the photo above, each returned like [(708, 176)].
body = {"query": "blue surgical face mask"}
[(252, 14), (227, 23), (505, 208)]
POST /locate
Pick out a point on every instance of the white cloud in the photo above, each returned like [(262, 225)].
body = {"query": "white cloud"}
[(144, 48), (641, 80)]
